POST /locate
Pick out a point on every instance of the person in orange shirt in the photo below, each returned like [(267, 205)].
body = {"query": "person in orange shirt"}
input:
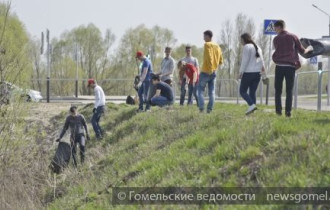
[(211, 61)]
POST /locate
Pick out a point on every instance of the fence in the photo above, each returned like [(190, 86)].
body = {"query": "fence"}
[(226, 89), (74, 87)]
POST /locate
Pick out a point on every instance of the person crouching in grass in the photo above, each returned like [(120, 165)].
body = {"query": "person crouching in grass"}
[(164, 93)]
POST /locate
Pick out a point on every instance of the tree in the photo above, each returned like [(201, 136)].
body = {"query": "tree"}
[(263, 42), (152, 41), (37, 65), (86, 46), (230, 39), (243, 24), (14, 61), (226, 46)]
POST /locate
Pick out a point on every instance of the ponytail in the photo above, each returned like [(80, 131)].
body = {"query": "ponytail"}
[(248, 40)]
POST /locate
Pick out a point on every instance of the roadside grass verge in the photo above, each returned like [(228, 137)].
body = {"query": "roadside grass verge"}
[(183, 148)]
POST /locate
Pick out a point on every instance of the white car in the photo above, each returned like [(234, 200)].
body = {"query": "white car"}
[(10, 91)]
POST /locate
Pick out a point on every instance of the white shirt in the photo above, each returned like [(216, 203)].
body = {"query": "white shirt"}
[(192, 60), (99, 96), (250, 63), (167, 66)]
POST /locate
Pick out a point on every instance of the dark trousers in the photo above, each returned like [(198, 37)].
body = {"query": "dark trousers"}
[(79, 139), (95, 121), (250, 81), (288, 73), (183, 91)]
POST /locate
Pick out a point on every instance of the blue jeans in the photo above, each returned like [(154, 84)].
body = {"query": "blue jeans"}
[(160, 101), (95, 121), (143, 95), (192, 90), (249, 81), (183, 91), (208, 79)]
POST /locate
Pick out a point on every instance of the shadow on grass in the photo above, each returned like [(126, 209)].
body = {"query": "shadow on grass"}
[(322, 121)]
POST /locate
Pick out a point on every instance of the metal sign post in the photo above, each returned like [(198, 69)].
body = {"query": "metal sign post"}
[(77, 67), (269, 29), (328, 84)]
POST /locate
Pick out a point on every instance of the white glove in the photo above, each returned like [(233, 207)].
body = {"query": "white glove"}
[(139, 85), (309, 48)]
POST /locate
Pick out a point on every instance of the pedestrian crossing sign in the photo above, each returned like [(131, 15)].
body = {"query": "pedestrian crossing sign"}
[(269, 28), (313, 60)]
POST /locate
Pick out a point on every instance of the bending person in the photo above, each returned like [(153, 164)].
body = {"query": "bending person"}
[(191, 75), (78, 127)]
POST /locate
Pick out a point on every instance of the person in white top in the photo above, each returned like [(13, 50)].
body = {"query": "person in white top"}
[(98, 110), (252, 66), (167, 67)]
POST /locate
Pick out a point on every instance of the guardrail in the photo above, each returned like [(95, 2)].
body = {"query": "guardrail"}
[(319, 88), (127, 87), (296, 88)]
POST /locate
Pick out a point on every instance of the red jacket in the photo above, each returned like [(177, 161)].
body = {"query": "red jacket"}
[(190, 70)]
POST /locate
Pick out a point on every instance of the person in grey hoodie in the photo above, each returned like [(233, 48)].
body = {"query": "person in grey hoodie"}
[(252, 66)]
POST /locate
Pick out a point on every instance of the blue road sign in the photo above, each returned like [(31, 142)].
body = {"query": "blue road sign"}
[(269, 28), (313, 60)]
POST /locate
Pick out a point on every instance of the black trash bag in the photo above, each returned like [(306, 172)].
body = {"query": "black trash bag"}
[(61, 158), (130, 100), (320, 47)]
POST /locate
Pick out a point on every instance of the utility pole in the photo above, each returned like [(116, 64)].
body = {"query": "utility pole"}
[(328, 89), (77, 62), (48, 65)]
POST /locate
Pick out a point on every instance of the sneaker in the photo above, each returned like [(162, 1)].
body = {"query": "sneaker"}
[(279, 113), (209, 111), (251, 109), (201, 111), (139, 110), (288, 114), (148, 110)]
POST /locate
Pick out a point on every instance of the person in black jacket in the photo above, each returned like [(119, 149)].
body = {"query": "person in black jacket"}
[(78, 127)]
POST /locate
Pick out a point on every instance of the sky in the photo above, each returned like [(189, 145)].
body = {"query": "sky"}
[(186, 18)]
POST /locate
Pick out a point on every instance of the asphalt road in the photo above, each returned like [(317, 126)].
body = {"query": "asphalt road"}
[(304, 102)]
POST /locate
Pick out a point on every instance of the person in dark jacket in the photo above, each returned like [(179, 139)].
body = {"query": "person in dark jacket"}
[(78, 127), (164, 94), (287, 46)]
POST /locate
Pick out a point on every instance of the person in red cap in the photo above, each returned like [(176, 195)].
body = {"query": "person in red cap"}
[(98, 107), (144, 84)]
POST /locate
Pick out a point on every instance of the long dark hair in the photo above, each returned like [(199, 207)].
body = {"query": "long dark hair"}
[(247, 39)]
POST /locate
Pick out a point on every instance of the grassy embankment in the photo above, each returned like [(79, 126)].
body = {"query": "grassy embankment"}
[(182, 147)]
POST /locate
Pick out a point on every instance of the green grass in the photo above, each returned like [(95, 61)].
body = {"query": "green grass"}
[(184, 148)]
